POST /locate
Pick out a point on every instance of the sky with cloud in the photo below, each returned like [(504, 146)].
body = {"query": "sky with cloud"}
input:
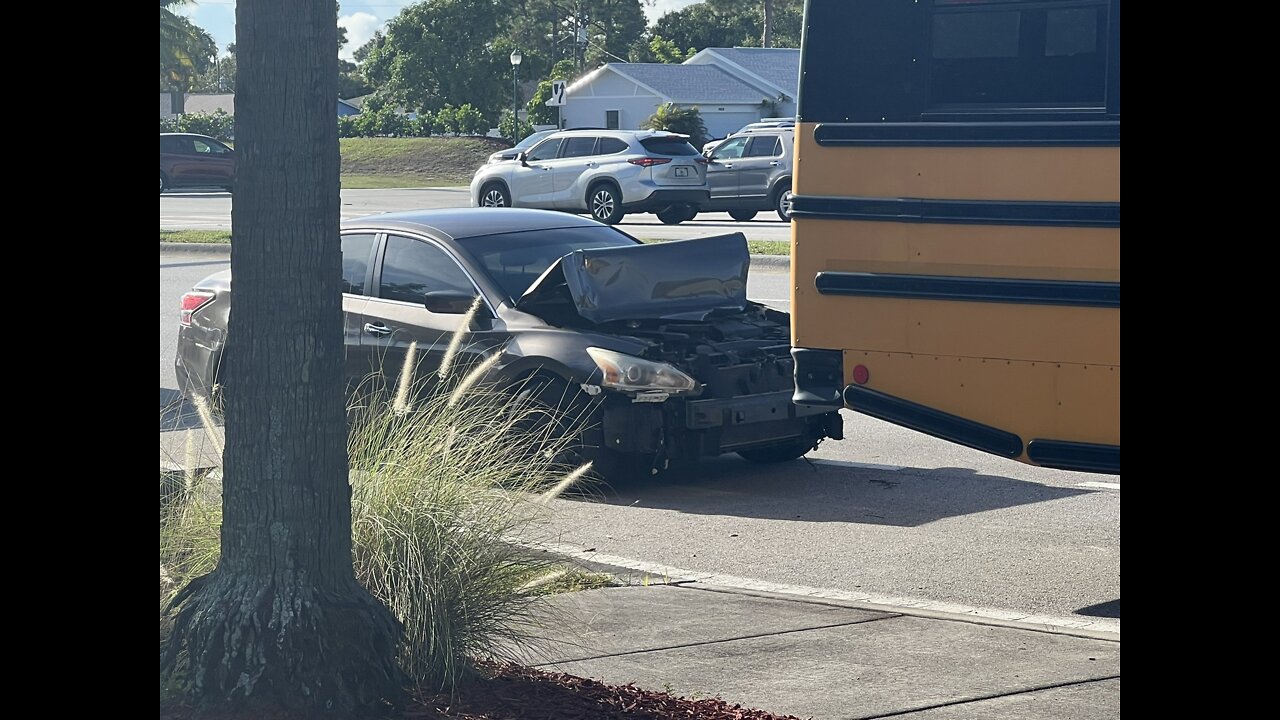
[(360, 17)]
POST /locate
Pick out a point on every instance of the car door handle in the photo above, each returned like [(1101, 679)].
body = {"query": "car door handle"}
[(775, 163), (728, 165), (590, 164), (377, 329)]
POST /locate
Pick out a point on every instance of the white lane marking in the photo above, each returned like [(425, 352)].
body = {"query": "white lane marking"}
[(863, 466), (884, 603), (780, 300), (1101, 485)]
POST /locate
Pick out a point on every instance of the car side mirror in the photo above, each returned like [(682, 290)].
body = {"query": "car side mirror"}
[(448, 302), (523, 158)]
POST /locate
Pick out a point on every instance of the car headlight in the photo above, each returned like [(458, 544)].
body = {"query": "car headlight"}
[(627, 372)]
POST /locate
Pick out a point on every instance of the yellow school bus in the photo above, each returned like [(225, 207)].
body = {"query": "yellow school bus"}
[(956, 222)]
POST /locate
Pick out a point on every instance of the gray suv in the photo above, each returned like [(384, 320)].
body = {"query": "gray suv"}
[(606, 173), (750, 172)]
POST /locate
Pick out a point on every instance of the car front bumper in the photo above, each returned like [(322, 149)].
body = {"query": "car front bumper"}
[(688, 428)]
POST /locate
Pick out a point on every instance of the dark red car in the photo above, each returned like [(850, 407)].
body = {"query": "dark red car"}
[(188, 160)]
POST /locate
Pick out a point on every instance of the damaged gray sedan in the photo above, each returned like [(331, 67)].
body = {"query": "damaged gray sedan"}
[(656, 344)]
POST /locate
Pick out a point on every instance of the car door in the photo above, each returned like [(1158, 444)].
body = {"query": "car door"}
[(531, 183), (722, 171), (184, 166), (358, 252), (757, 166), (395, 316), (577, 157), (214, 161)]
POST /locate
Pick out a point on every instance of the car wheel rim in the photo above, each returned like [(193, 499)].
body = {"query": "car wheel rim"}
[(161, 184), (784, 203), (494, 198), (602, 204)]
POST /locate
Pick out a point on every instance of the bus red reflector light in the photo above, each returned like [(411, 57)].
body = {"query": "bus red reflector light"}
[(861, 374)]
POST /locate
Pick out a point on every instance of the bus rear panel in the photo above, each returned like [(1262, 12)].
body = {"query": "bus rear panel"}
[(956, 222)]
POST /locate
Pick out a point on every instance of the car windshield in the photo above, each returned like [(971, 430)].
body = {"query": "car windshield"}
[(515, 260), (529, 141)]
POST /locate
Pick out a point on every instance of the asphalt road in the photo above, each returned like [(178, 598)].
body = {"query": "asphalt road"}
[(886, 512), (212, 211)]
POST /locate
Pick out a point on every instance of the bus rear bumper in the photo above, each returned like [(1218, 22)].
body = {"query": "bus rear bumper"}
[(819, 377)]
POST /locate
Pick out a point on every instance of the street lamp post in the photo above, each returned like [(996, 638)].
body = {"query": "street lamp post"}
[(516, 57)]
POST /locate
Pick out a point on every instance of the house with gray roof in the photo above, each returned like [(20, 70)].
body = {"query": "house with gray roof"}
[(730, 87)]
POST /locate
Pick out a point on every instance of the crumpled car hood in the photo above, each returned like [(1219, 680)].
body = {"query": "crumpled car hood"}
[(679, 280)]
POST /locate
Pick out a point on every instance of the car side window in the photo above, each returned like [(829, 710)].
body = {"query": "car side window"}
[(545, 150), (357, 251), (764, 146), (579, 147), (609, 146), (203, 148), (170, 145), (412, 268), (730, 150)]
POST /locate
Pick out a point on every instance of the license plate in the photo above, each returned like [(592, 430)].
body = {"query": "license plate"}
[(682, 172)]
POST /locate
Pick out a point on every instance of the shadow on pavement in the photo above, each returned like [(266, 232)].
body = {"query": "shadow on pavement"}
[(808, 492), (1109, 609)]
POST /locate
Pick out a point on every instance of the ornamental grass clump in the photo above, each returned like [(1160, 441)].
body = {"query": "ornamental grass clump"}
[(445, 473)]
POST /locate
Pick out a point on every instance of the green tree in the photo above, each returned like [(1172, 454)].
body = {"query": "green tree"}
[(732, 23), (587, 32), (512, 129), (281, 622), (686, 121), (221, 76), (186, 49), (442, 51), (539, 113), (665, 51), (613, 26)]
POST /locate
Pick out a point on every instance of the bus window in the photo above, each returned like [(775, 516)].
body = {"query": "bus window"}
[(956, 222)]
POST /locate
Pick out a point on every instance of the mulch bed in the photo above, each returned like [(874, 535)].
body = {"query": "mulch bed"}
[(514, 692)]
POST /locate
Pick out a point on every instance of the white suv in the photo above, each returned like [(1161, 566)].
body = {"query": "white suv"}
[(606, 173)]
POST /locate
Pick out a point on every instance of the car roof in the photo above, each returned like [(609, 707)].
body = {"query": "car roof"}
[(187, 135), (640, 134), (462, 223)]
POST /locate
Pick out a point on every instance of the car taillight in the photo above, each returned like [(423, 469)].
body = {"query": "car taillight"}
[(192, 302), (702, 161), (649, 161)]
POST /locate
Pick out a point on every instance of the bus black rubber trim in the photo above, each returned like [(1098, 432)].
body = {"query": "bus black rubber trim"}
[(933, 422), (1067, 455), (1077, 133), (958, 212), (1071, 293)]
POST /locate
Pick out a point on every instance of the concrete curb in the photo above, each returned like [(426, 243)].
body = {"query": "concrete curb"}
[(773, 263), (203, 248), (624, 569), (770, 263)]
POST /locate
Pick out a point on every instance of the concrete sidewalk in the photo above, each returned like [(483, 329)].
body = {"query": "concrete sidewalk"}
[(830, 660)]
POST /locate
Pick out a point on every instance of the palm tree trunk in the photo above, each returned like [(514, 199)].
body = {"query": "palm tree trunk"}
[(282, 621)]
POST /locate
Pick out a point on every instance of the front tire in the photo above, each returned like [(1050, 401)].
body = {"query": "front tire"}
[(742, 215), (604, 202), (494, 195), (782, 203), (164, 183), (554, 409), (778, 453)]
